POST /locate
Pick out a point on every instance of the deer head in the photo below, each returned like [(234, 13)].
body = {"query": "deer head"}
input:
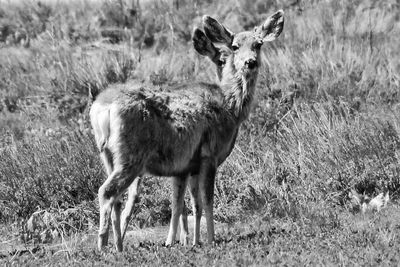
[(245, 46)]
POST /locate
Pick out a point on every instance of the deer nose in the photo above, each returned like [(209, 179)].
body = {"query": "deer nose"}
[(251, 63)]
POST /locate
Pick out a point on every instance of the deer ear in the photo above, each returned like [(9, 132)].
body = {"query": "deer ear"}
[(216, 32), (203, 45), (271, 28)]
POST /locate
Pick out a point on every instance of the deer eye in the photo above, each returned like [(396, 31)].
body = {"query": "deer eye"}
[(257, 45), (235, 47)]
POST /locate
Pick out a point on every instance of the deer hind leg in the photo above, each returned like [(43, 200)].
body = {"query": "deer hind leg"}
[(109, 194), (178, 188), (115, 220), (133, 198), (206, 184), (107, 159), (196, 206)]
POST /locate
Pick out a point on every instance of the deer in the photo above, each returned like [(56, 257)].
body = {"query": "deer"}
[(204, 47), (185, 132)]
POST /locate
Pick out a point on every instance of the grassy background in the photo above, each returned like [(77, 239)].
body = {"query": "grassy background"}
[(327, 120)]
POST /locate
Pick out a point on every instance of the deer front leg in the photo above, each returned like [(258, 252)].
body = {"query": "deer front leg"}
[(206, 183), (184, 236), (178, 193), (196, 206)]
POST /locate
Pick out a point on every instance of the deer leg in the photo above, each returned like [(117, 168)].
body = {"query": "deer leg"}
[(105, 211), (133, 198), (178, 188), (206, 184), (107, 159), (196, 206), (115, 220), (116, 210), (109, 193), (104, 204), (184, 236)]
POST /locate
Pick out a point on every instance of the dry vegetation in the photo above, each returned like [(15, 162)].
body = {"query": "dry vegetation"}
[(327, 120)]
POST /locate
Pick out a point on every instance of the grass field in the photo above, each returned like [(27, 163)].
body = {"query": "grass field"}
[(326, 121)]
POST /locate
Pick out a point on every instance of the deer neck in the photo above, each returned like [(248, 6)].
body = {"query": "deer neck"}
[(238, 90)]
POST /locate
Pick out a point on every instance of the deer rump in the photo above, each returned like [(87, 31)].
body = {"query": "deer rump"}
[(165, 130)]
